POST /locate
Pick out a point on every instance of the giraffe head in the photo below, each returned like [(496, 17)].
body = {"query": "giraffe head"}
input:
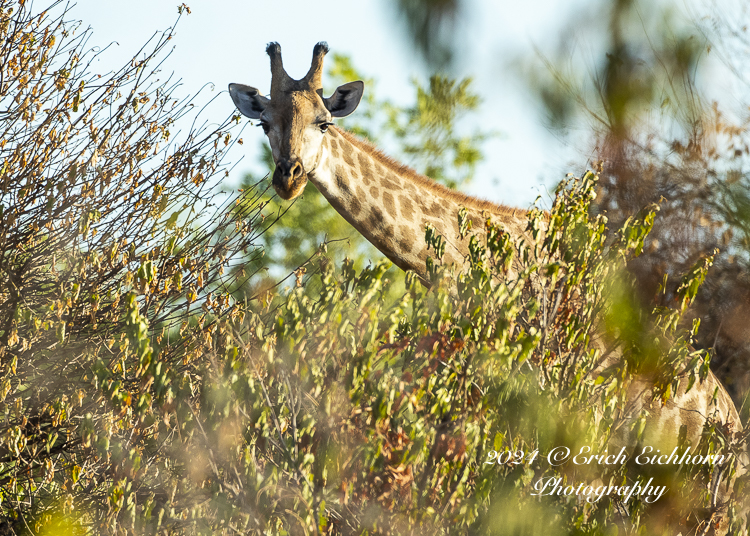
[(295, 117)]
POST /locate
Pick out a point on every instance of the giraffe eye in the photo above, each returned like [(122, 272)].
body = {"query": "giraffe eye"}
[(265, 126), (324, 127)]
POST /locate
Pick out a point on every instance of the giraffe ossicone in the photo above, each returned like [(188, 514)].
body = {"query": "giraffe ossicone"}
[(390, 205)]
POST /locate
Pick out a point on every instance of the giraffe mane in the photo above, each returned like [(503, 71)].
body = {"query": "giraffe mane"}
[(426, 182)]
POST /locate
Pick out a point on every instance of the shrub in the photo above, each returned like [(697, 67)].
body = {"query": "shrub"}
[(108, 264), (439, 413)]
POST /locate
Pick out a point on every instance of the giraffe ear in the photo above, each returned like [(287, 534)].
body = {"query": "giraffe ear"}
[(248, 100), (345, 99)]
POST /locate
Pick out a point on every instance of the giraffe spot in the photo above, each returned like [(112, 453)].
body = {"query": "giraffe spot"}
[(334, 147), (366, 169), (365, 164), (421, 203), (375, 192), (346, 152), (390, 184), (389, 248), (388, 204), (408, 234), (345, 173), (360, 193), (355, 207), (407, 239), (342, 181), (435, 209), (380, 169), (355, 173), (439, 227), (407, 210), (376, 219)]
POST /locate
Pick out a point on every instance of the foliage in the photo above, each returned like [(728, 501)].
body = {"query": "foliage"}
[(663, 140), (654, 90), (431, 26), (139, 398), (337, 413), (423, 135), (107, 268)]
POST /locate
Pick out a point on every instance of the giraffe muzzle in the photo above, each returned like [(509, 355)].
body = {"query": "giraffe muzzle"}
[(289, 178)]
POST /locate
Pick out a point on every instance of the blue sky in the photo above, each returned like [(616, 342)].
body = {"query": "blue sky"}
[(223, 41)]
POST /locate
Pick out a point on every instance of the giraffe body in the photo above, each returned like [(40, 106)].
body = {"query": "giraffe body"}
[(390, 205)]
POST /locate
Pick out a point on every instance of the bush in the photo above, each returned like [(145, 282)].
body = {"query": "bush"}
[(339, 413), (107, 272)]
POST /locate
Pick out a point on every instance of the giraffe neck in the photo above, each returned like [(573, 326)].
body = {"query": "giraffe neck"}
[(390, 204)]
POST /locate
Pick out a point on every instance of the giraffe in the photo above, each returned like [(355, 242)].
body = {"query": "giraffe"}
[(390, 205)]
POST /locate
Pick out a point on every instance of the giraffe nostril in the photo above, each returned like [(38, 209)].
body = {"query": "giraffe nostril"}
[(284, 167), (296, 170)]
